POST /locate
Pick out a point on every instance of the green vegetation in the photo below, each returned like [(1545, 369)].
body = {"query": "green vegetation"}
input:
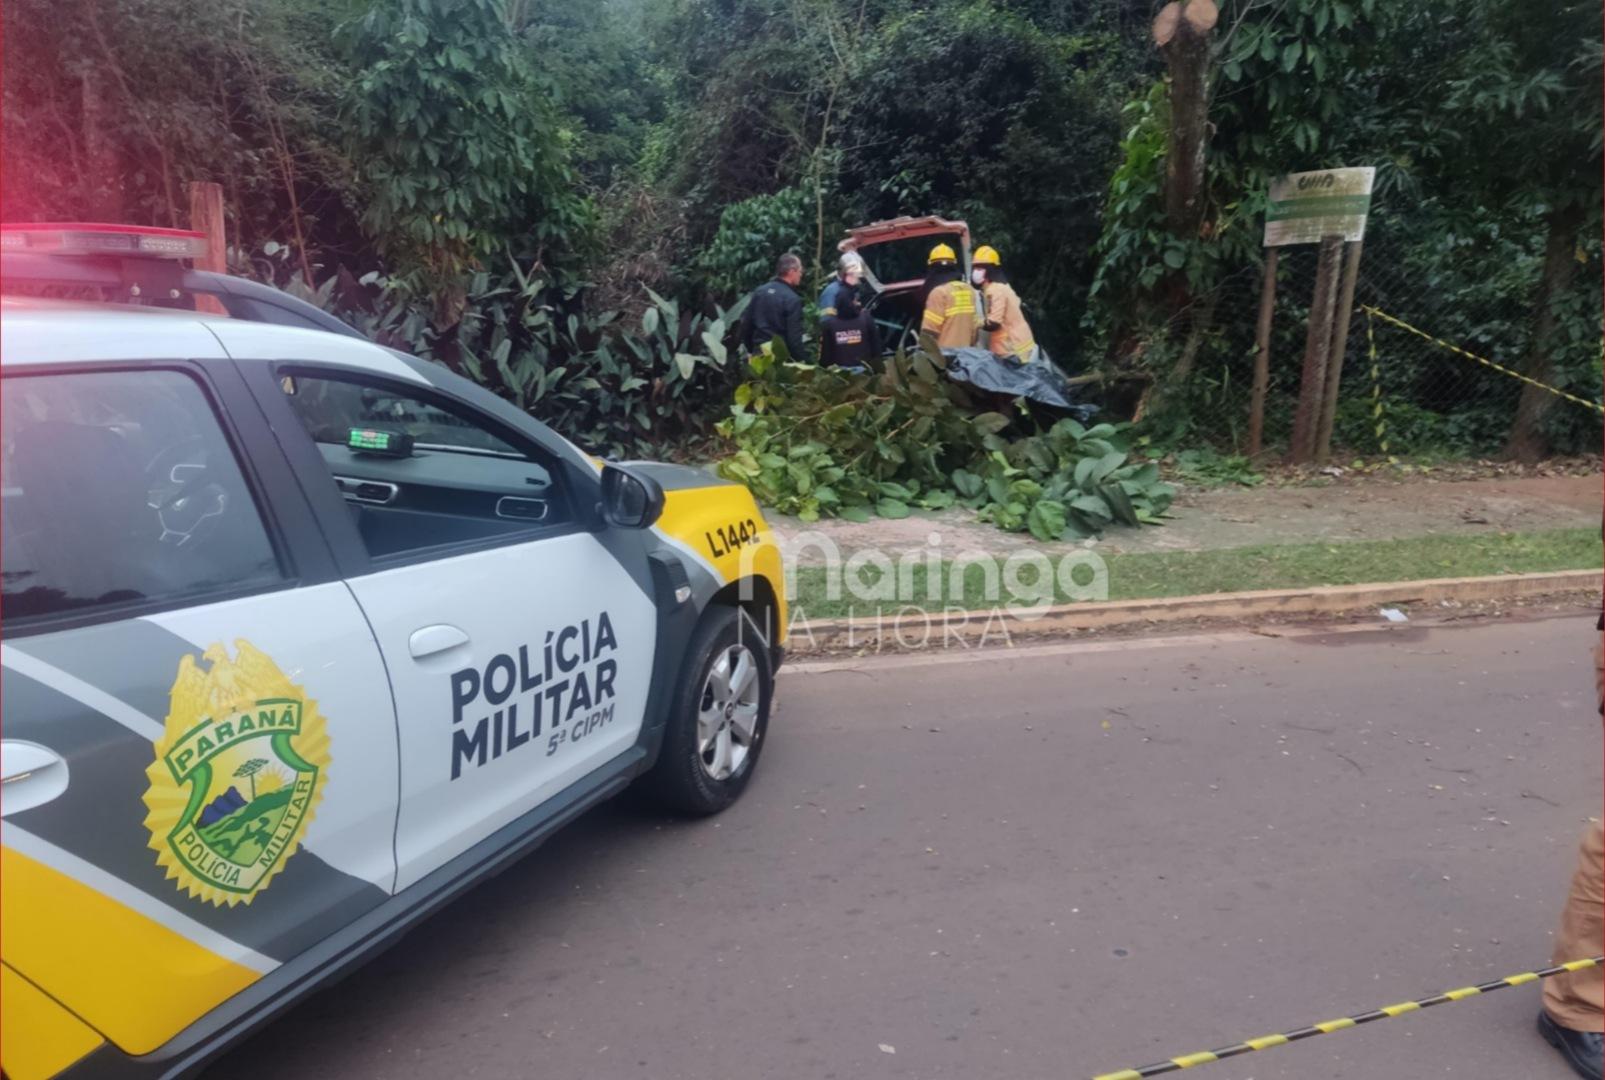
[(821, 442), (512, 187), (1277, 566)]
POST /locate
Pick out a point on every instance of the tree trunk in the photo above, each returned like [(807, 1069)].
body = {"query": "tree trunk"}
[(1202, 322), (1185, 31), (206, 215), (1526, 442), (1262, 354), (104, 180), (1317, 351), (1343, 315)]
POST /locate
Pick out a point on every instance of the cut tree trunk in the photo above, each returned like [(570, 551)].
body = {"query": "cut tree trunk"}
[(1526, 441), (206, 216), (1184, 32)]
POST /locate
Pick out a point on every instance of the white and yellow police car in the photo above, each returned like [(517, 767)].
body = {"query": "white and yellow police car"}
[(302, 637)]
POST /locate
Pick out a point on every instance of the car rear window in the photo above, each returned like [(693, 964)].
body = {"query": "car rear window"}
[(120, 487), (905, 260)]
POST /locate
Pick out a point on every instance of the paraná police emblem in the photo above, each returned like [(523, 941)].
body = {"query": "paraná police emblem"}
[(239, 772)]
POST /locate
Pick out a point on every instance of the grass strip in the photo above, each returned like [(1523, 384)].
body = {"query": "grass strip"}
[(1147, 575)]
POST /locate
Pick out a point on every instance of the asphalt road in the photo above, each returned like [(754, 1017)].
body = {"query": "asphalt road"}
[(1077, 859)]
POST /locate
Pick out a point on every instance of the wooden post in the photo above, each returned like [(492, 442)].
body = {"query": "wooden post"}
[(1317, 347), (1262, 354), (1340, 345), (206, 215)]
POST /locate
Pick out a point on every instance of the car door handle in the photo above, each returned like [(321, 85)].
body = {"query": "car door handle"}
[(435, 639), (30, 775)]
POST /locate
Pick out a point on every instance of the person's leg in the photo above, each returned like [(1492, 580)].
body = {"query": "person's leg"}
[(1576, 1000)]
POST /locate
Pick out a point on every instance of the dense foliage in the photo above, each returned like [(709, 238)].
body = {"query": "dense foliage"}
[(819, 442), (520, 184), (459, 141)]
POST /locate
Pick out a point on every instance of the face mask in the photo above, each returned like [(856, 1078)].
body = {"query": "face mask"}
[(978, 276)]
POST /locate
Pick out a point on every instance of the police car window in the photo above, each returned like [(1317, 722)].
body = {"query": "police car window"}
[(330, 409), (419, 473), (119, 487)]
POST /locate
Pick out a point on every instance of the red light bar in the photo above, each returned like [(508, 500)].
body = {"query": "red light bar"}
[(90, 238)]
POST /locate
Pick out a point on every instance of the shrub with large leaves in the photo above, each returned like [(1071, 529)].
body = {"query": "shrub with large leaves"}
[(1068, 481), (819, 442), (615, 389)]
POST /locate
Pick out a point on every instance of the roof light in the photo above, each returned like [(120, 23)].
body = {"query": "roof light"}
[(87, 238)]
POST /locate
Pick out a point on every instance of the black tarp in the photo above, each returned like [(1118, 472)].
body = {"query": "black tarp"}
[(1039, 380)]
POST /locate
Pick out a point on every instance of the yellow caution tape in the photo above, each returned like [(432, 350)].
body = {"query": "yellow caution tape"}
[(1265, 1042), (1458, 351)]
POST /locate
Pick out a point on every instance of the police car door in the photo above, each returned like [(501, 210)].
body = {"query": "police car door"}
[(519, 647), (199, 750)]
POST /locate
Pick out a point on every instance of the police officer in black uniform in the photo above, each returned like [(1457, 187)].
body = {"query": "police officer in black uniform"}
[(776, 310), (848, 338)]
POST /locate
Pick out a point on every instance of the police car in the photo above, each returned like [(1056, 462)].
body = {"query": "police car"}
[(301, 638)]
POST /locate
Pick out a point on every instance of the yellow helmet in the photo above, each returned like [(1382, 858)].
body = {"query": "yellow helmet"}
[(942, 253), (986, 256)]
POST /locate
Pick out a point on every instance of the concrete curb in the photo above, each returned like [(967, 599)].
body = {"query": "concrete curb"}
[(888, 633)]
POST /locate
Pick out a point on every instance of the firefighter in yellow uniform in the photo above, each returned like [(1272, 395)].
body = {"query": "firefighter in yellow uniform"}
[(949, 319), (1008, 334)]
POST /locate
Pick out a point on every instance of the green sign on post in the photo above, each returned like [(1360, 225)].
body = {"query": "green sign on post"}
[(1304, 207)]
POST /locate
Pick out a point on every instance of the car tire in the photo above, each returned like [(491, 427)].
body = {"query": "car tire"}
[(718, 720)]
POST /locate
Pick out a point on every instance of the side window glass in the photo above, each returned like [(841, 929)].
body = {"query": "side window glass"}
[(120, 486), (418, 472)]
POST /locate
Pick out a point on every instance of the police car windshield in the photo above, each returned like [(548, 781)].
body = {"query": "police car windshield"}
[(330, 409)]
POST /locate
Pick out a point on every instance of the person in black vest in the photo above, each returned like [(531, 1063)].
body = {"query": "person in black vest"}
[(848, 342), (776, 310)]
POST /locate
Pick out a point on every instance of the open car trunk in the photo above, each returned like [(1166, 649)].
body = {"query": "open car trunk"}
[(895, 254)]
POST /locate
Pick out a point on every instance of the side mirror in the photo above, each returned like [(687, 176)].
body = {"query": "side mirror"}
[(630, 500)]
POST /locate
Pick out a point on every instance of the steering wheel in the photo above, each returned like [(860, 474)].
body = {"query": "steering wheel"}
[(188, 502)]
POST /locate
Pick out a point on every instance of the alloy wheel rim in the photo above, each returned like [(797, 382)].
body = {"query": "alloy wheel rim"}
[(727, 713)]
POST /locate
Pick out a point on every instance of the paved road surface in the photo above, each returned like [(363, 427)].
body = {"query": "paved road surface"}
[(1081, 859)]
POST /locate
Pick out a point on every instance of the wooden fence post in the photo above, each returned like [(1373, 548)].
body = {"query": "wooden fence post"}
[(206, 216), (1262, 354), (1317, 347), (1340, 345)]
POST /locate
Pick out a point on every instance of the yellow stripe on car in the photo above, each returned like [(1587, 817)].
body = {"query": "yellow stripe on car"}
[(703, 519), (132, 979), (38, 1038)]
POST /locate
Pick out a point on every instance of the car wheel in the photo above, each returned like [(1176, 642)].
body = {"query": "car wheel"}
[(718, 719)]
